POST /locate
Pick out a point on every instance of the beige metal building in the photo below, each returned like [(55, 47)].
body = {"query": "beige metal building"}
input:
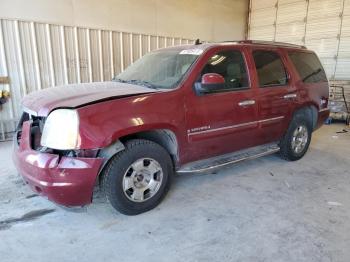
[(262, 209), (48, 43)]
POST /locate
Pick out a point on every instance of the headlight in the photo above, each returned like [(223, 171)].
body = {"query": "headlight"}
[(61, 130)]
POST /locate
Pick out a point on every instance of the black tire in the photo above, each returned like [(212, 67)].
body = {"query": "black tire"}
[(113, 174), (286, 150)]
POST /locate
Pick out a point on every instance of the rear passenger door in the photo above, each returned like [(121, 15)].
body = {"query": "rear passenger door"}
[(276, 93)]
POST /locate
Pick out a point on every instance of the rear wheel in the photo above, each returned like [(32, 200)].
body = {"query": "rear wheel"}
[(296, 141), (137, 178)]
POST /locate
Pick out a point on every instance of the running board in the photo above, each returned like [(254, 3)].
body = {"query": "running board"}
[(213, 163)]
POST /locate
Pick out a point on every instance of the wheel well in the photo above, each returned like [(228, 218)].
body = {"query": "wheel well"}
[(164, 137), (311, 112)]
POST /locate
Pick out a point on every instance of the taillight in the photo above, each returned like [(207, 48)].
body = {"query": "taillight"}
[(324, 102)]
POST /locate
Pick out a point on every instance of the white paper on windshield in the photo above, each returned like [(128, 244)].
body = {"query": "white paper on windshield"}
[(191, 52)]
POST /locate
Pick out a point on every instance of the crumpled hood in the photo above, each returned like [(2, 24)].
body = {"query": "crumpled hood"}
[(70, 96)]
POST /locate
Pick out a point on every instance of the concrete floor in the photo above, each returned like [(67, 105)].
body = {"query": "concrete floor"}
[(261, 210)]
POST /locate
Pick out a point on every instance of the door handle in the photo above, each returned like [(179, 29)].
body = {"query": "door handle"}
[(246, 103), (290, 96)]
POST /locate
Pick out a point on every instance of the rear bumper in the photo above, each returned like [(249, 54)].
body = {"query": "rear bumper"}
[(68, 181), (323, 114)]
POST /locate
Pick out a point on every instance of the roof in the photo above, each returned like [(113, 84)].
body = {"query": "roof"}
[(204, 46), (260, 42)]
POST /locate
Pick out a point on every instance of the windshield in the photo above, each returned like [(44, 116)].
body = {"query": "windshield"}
[(160, 69)]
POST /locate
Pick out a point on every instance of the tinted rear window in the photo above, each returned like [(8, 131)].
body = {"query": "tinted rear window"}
[(270, 68), (308, 66)]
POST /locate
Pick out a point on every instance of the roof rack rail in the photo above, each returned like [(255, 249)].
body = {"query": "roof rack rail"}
[(262, 42)]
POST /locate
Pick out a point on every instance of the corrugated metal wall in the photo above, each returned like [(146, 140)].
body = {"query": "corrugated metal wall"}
[(321, 25), (36, 56)]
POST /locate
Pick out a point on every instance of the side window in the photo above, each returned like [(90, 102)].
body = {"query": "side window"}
[(270, 68), (308, 67), (231, 66)]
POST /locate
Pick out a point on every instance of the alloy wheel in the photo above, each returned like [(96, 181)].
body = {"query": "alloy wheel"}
[(142, 179), (299, 139)]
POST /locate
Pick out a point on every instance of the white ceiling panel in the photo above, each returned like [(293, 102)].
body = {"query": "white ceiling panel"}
[(345, 31), (259, 4), (291, 12), (324, 8), (343, 69), (290, 40), (344, 48), (347, 7), (263, 17), (329, 66), (326, 47), (323, 28), (282, 2), (262, 33), (290, 32)]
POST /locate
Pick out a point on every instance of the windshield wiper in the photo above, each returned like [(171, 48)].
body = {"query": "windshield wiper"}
[(141, 82), (118, 80), (135, 81)]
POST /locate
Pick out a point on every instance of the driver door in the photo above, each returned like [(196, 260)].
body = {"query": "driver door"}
[(225, 120)]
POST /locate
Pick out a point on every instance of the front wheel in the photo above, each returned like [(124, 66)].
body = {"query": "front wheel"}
[(137, 178), (296, 141)]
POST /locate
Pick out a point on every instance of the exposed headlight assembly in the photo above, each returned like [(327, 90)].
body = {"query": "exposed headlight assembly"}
[(61, 130)]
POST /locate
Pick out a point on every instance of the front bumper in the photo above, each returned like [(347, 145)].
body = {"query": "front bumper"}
[(68, 181)]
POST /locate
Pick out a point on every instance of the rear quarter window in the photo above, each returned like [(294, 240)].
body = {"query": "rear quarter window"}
[(308, 67)]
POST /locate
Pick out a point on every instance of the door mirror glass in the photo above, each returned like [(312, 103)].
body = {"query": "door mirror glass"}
[(211, 83)]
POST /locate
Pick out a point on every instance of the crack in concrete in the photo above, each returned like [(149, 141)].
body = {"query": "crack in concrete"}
[(32, 215), (31, 196)]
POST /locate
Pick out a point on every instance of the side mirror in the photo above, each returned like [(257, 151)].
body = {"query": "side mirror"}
[(211, 83)]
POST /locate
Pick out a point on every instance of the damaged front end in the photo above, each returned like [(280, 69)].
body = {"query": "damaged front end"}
[(66, 177)]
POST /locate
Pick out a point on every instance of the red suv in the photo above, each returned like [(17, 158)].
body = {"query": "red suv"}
[(182, 109)]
